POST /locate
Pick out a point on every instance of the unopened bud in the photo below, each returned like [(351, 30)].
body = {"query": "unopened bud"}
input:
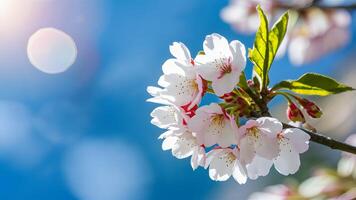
[(294, 114), (229, 97), (312, 109)]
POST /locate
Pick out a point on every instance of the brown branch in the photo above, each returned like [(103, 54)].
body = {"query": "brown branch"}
[(326, 141)]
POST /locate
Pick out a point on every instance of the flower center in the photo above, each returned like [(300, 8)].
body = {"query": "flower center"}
[(253, 131), (194, 85), (224, 66), (217, 119), (229, 158)]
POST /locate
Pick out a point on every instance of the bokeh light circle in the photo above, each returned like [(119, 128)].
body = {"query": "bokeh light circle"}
[(51, 50)]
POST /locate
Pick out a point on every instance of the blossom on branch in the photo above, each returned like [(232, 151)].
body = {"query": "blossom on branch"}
[(221, 63), (236, 135)]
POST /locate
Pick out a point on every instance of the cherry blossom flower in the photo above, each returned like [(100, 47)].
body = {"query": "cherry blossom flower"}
[(183, 144), (292, 142), (242, 14), (318, 33), (259, 137), (213, 126), (224, 163), (221, 63), (181, 84)]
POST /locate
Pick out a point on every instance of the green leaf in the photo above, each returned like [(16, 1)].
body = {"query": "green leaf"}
[(259, 53), (266, 46), (276, 36), (313, 84)]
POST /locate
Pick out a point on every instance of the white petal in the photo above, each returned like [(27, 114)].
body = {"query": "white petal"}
[(213, 108), (259, 167), (180, 51), (198, 158), (184, 146), (216, 45), (173, 66), (239, 173), (227, 136), (165, 116), (267, 147), (198, 121), (247, 150), (226, 83), (298, 138), (168, 143), (181, 89), (206, 69), (154, 91), (288, 161), (166, 134), (271, 125), (239, 55), (221, 167)]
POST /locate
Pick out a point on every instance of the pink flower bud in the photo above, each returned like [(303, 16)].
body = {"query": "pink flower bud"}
[(312, 109), (294, 113)]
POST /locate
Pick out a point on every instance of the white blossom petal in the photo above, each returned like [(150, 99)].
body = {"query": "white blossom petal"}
[(239, 173), (239, 54), (216, 45), (165, 116), (288, 161), (221, 167), (180, 51), (266, 147), (259, 167), (270, 125), (168, 143), (226, 83), (184, 146), (298, 138)]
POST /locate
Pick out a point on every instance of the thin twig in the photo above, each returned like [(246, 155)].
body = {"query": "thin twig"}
[(326, 141)]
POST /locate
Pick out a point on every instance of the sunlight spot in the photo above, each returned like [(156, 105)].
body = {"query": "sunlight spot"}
[(51, 50)]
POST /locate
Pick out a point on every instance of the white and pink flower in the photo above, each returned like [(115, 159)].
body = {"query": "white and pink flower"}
[(183, 144), (224, 163), (221, 63), (213, 126), (292, 142), (258, 137), (180, 83), (242, 14)]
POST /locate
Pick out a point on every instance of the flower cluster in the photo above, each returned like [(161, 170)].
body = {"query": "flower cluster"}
[(225, 136), (313, 32), (324, 183)]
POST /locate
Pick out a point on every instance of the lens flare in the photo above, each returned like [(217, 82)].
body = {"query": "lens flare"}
[(51, 50)]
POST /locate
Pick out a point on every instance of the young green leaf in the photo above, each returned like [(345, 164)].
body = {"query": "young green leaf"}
[(259, 54), (313, 84), (276, 36), (266, 46)]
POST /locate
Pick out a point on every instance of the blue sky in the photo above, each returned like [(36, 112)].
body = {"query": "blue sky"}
[(86, 133)]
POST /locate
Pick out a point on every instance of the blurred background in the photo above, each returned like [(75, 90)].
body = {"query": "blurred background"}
[(81, 130)]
